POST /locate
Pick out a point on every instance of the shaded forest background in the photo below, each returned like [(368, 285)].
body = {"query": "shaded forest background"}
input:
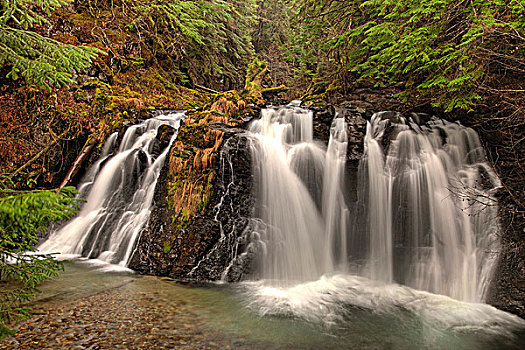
[(71, 68), (71, 72)]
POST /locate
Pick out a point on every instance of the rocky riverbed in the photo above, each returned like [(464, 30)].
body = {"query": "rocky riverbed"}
[(89, 307), (86, 309)]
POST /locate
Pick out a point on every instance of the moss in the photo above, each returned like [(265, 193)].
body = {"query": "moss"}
[(192, 161), (102, 101), (167, 246), (185, 219)]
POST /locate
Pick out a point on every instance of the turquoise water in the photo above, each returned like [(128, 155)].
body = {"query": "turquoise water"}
[(336, 312)]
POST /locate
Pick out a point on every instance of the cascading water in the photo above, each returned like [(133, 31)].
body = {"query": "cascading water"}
[(298, 187), (430, 223), (335, 212), (425, 217), (119, 189), (432, 215)]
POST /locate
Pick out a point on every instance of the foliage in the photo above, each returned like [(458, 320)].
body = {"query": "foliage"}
[(28, 54), (23, 215), (270, 37), (446, 52), (272, 26), (206, 38)]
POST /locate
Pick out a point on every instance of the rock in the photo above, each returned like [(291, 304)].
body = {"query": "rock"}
[(356, 131), (164, 135), (323, 116), (190, 247)]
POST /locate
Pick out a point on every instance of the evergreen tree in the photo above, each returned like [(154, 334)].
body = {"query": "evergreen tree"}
[(40, 60), (206, 38), (23, 215), (446, 52), (270, 37)]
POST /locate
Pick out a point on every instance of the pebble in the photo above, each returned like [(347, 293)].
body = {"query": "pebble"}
[(117, 319)]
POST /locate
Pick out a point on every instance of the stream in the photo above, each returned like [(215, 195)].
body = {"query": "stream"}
[(93, 305)]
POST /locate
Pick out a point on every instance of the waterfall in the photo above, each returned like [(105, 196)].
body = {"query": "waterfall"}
[(431, 209), (334, 210), (298, 190), (429, 212), (119, 189), (379, 212)]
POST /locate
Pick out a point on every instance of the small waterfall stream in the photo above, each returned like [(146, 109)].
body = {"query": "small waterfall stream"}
[(119, 189), (298, 186)]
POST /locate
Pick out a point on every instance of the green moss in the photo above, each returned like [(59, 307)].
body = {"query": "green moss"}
[(185, 219), (167, 246)]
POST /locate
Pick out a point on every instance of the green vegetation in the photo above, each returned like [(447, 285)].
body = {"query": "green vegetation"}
[(271, 35), (28, 54), (449, 53), (24, 216), (208, 41)]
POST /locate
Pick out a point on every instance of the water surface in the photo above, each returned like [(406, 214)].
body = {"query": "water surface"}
[(335, 312)]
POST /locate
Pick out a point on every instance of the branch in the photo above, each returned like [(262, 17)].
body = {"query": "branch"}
[(36, 157), (84, 154), (206, 89)]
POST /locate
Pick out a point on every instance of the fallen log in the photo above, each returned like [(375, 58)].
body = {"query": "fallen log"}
[(275, 90), (206, 89), (84, 154)]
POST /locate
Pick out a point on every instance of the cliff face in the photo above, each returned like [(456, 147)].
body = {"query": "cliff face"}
[(195, 234)]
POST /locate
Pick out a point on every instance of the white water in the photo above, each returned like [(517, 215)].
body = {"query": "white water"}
[(119, 189), (341, 300), (298, 186), (430, 216), (430, 224)]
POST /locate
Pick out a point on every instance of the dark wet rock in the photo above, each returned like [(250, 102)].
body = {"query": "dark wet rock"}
[(203, 248), (323, 117), (357, 108), (163, 138), (227, 129), (419, 118), (226, 216), (164, 134), (356, 130), (325, 114)]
